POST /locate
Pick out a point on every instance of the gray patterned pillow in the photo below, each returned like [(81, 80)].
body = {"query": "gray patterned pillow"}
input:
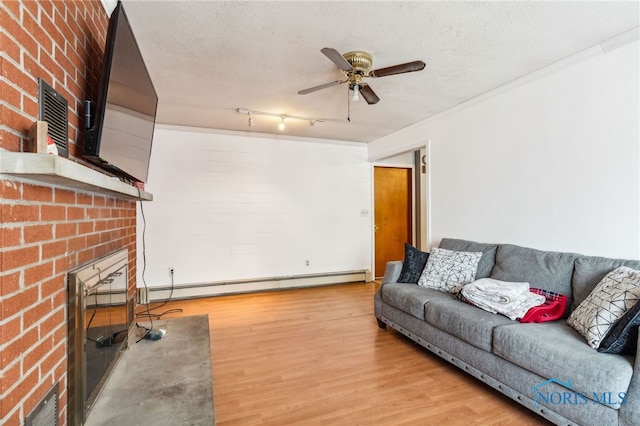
[(612, 297), (449, 270)]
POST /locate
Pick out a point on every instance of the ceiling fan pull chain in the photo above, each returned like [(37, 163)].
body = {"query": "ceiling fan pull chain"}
[(348, 106)]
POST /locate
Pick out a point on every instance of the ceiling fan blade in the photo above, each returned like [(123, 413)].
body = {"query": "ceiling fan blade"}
[(337, 58), (369, 95), (398, 69), (322, 86)]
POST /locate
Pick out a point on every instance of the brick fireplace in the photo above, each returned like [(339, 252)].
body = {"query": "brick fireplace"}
[(49, 226), (47, 231)]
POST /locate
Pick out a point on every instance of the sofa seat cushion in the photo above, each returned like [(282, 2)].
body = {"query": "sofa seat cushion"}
[(410, 298), (555, 350), (467, 322)]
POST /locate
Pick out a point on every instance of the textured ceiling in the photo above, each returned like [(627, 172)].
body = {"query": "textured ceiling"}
[(207, 58)]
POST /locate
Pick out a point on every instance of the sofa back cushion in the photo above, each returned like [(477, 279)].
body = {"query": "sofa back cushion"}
[(547, 270), (590, 270), (488, 259)]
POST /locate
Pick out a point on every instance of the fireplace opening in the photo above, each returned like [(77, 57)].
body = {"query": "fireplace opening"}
[(100, 318)]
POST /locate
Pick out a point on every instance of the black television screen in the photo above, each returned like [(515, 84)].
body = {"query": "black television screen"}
[(124, 117)]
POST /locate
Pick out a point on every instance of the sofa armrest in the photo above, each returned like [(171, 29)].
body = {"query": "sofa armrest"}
[(629, 413), (392, 272)]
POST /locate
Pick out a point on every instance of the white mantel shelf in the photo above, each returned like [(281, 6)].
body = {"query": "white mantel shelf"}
[(56, 170)]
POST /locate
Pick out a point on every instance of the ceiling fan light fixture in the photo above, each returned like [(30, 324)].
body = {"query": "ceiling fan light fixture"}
[(356, 93)]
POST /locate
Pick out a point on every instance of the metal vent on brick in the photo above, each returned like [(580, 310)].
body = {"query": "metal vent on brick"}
[(53, 110), (46, 412)]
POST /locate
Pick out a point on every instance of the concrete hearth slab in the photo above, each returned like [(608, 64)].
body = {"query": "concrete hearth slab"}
[(163, 382)]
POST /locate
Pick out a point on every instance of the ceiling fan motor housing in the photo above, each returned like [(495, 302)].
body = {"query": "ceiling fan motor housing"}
[(360, 61)]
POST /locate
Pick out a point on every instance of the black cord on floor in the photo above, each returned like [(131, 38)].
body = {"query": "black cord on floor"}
[(144, 267), (169, 311)]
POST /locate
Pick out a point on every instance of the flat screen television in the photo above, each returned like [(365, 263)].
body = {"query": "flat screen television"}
[(123, 120)]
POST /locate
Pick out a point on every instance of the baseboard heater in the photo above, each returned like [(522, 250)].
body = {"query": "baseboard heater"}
[(191, 291), (109, 298)]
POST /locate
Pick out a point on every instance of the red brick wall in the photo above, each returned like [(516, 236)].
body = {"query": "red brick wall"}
[(47, 230), (59, 41)]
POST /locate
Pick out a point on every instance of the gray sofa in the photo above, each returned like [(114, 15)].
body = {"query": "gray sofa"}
[(547, 367)]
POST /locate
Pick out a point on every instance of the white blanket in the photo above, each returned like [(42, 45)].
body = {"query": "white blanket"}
[(510, 299)]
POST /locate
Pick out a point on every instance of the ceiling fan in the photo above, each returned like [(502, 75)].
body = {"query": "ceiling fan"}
[(356, 66)]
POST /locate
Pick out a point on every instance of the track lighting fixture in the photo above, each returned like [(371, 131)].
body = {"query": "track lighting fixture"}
[(312, 121)]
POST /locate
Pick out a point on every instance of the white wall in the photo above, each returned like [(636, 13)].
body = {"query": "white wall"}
[(230, 206), (551, 161), (401, 160)]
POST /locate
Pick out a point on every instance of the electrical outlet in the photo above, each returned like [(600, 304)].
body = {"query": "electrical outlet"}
[(307, 263)]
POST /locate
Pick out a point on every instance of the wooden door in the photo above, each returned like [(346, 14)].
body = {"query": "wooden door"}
[(392, 214)]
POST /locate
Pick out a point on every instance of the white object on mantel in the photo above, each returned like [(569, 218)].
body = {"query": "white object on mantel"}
[(52, 148), (56, 170)]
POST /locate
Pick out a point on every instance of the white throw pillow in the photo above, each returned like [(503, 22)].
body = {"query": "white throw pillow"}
[(612, 297), (449, 270)]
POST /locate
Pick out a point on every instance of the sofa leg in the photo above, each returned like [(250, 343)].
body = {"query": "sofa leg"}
[(381, 324)]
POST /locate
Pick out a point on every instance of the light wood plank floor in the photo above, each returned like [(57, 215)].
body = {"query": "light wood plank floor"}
[(316, 356)]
